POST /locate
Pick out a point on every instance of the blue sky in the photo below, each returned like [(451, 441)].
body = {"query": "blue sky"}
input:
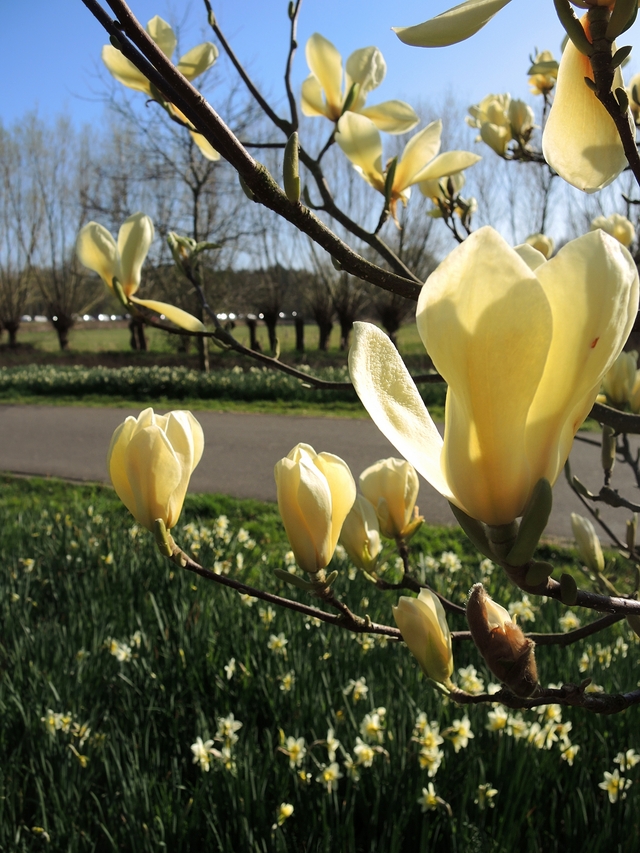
[(51, 50)]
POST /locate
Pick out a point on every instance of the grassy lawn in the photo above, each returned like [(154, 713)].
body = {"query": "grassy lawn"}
[(113, 662)]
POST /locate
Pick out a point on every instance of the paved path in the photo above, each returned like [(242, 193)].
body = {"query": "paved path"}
[(241, 450)]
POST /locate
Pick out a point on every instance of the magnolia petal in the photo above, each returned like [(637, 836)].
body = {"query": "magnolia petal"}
[(592, 288), (312, 98), (287, 475), (447, 164), (124, 71), (116, 464), (315, 500), (359, 139), (418, 151), (197, 60), (326, 66), (134, 238), (186, 438), (392, 116), (206, 148), (532, 257), (174, 315), (154, 472), (163, 35), (481, 306), (394, 482), (453, 26), (366, 67), (97, 250), (580, 140), (343, 491), (389, 394)]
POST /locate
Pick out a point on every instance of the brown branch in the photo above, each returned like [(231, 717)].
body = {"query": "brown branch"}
[(572, 695), (566, 638), (293, 44), (622, 422)]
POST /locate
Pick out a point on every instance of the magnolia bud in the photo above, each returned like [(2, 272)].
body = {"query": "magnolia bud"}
[(589, 549), (360, 535), (424, 629), (619, 381), (618, 226), (507, 652), (391, 485), (542, 243), (315, 493)]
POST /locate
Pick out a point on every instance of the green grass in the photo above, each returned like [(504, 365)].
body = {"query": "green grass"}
[(92, 579)]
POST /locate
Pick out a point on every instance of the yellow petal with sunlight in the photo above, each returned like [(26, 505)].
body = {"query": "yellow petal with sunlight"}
[(447, 164), (342, 488), (153, 472), (580, 140), (418, 151), (134, 238), (326, 65), (453, 26), (481, 306), (359, 139), (312, 99), (124, 71), (389, 394), (97, 250), (206, 148), (197, 60), (367, 68), (391, 116), (174, 315), (162, 34)]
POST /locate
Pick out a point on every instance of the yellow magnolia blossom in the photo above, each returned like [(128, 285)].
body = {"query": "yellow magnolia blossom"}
[(542, 243), (618, 226), (194, 63), (523, 344), (589, 548), (580, 140), (360, 535), (619, 381), (150, 461), (423, 625), (544, 73), (391, 485), (633, 91), (501, 119), (463, 21), (325, 93), (98, 251), (315, 493), (360, 140)]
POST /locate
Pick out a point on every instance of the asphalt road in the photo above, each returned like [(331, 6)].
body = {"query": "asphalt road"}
[(241, 450)]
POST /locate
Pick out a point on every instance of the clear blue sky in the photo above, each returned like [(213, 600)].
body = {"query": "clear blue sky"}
[(50, 49)]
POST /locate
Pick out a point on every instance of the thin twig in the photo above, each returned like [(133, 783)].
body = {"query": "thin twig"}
[(564, 639)]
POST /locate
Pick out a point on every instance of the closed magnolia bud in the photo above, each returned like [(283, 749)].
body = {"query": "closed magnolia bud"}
[(424, 629), (542, 243), (315, 493), (507, 652), (392, 485), (360, 535), (150, 461), (589, 548), (619, 381), (496, 137), (521, 118), (616, 225)]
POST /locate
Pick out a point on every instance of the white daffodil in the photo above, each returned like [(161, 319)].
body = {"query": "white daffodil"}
[(360, 140), (122, 260), (194, 63), (523, 344), (328, 91)]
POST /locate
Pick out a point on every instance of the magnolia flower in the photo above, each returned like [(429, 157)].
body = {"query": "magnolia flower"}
[(541, 243), (360, 535), (194, 63), (589, 548), (315, 493), (323, 93), (618, 226), (501, 119), (463, 21), (423, 625), (580, 140), (544, 73), (633, 91), (391, 485), (98, 251), (620, 380), (360, 140), (150, 461), (523, 351)]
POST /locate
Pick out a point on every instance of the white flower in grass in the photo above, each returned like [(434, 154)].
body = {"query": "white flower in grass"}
[(227, 728), (523, 610), (356, 688), (372, 727), (450, 561), (203, 752), (296, 750), (287, 681), (627, 759), (469, 680), (430, 760), (569, 622), (352, 768), (428, 800), (484, 797), (242, 535), (278, 644), (333, 745), (569, 752), (486, 567), (497, 720), (230, 669), (459, 733), (615, 785), (329, 776), (517, 726), (285, 810), (364, 753), (247, 600), (267, 615)]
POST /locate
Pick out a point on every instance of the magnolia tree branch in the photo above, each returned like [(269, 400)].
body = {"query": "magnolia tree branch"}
[(573, 695), (564, 639), (135, 43)]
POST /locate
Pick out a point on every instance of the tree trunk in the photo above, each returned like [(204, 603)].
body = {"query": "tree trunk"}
[(254, 343), (271, 321), (346, 325), (325, 328), (12, 330), (299, 323), (203, 354), (62, 323)]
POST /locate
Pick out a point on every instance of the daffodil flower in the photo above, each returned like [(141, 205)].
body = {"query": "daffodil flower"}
[(98, 251), (523, 344), (463, 21), (323, 93), (360, 140), (194, 63)]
